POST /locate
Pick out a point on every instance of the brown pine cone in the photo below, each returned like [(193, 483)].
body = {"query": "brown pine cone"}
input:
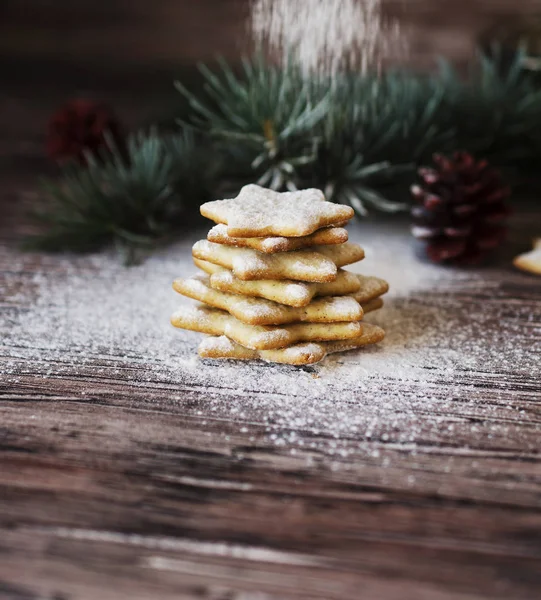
[(459, 209)]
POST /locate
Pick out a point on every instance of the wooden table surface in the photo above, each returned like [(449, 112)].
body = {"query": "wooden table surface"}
[(118, 483)]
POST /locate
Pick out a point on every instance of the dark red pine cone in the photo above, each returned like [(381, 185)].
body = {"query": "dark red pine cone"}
[(459, 209), (81, 126)]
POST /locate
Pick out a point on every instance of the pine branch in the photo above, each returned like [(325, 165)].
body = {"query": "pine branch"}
[(375, 131), (360, 137), (130, 200), (350, 137), (262, 121), (497, 112)]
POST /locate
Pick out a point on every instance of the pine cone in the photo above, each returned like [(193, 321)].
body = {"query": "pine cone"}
[(460, 209), (80, 126)]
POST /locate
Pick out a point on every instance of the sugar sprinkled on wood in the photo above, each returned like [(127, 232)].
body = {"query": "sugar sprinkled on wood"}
[(92, 316)]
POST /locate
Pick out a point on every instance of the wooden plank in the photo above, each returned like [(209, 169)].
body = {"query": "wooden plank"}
[(109, 488)]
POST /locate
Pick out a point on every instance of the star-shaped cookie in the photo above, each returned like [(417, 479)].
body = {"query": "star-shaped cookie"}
[(259, 212), (298, 354)]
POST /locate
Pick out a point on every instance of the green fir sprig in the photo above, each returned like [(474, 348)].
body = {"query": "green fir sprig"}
[(496, 113), (361, 136), (132, 198), (263, 120), (371, 142)]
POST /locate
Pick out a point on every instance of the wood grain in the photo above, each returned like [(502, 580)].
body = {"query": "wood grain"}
[(122, 487)]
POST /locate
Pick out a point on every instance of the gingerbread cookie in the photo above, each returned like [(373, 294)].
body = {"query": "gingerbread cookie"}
[(271, 245), (256, 311), (259, 212), (299, 354), (258, 337)]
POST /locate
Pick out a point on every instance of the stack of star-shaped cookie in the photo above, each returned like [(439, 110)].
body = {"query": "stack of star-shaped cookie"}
[(273, 287)]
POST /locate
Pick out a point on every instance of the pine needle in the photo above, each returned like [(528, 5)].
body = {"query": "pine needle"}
[(129, 199)]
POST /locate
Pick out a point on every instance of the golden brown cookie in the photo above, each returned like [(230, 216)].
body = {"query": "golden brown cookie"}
[(295, 293), (342, 255), (259, 212), (291, 293), (372, 305), (370, 288), (247, 264), (530, 261), (259, 337), (256, 311), (271, 245), (317, 265), (299, 354)]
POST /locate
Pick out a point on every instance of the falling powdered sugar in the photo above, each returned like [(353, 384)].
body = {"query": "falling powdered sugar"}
[(325, 37)]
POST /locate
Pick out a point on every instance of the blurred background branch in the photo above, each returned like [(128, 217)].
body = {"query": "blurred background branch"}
[(127, 53)]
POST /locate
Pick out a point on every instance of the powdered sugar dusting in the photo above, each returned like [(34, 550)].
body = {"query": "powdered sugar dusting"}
[(220, 343), (303, 265), (259, 211), (297, 291), (92, 314), (258, 311)]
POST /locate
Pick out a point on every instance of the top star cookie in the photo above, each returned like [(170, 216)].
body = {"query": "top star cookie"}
[(259, 212)]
